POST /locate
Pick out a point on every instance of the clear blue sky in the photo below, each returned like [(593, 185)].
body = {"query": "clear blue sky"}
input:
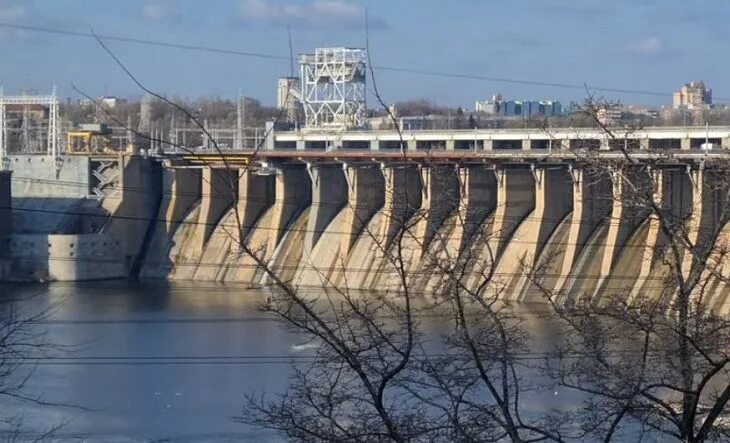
[(644, 45)]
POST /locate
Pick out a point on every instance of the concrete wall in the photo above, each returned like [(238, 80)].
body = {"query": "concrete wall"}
[(43, 257), (35, 176), (478, 198), (403, 195), (64, 232), (516, 199), (134, 207), (592, 198), (625, 216), (6, 219), (552, 203), (181, 189), (366, 195), (219, 191), (50, 201), (329, 196), (292, 191), (440, 197), (256, 193)]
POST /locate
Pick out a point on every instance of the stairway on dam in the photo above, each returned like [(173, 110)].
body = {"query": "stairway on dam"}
[(337, 225)]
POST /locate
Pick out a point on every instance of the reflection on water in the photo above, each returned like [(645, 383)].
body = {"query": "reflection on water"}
[(158, 361), (154, 361)]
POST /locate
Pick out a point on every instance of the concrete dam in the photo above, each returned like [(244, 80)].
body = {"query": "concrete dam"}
[(332, 224), (331, 218)]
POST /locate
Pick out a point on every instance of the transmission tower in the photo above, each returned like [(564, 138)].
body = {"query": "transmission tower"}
[(53, 146)]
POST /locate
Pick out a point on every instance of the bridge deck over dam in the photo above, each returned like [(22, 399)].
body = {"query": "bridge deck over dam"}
[(684, 143), (673, 138)]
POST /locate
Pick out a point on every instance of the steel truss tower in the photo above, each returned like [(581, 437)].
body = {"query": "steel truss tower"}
[(333, 88), (51, 101)]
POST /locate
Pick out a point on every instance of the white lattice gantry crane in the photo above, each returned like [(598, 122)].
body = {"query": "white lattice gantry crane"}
[(333, 88)]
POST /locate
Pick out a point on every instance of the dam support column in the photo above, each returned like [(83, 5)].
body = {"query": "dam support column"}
[(626, 216), (329, 196), (180, 191), (402, 199), (237, 252), (439, 198), (6, 213), (701, 216), (592, 195), (478, 199), (463, 242), (255, 195), (672, 192), (133, 206), (292, 193), (515, 200), (553, 202), (366, 196), (6, 220), (658, 179), (219, 192), (704, 233)]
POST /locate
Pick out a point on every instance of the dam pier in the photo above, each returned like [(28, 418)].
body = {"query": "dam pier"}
[(321, 210)]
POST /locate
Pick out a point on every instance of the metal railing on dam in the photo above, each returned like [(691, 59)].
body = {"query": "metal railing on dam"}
[(478, 143), (504, 139)]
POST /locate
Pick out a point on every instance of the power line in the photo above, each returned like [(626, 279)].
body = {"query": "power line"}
[(279, 359), (395, 69), (140, 41)]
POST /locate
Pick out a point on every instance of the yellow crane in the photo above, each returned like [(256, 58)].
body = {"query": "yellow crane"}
[(89, 138)]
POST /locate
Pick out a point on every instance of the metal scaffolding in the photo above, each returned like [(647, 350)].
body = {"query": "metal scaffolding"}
[(51, 101), (333, 88)]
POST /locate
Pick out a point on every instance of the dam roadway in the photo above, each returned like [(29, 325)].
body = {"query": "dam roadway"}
[(319, 210)]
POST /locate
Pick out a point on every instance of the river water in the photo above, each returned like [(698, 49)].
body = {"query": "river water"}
[(153, 361), (148, 361)]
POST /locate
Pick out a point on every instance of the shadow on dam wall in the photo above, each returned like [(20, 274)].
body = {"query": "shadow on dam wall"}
[(327, 225), (331, 224), (84, 221)]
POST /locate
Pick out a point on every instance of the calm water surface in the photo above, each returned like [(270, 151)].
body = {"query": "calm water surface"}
[(153, 361)]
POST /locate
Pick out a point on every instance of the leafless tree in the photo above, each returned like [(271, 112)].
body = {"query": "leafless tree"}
[(656, 363), (650, 358), (22, 342)]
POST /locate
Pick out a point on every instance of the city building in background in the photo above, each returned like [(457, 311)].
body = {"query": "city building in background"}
[(109, 102), (693, 95), (497, 106)]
